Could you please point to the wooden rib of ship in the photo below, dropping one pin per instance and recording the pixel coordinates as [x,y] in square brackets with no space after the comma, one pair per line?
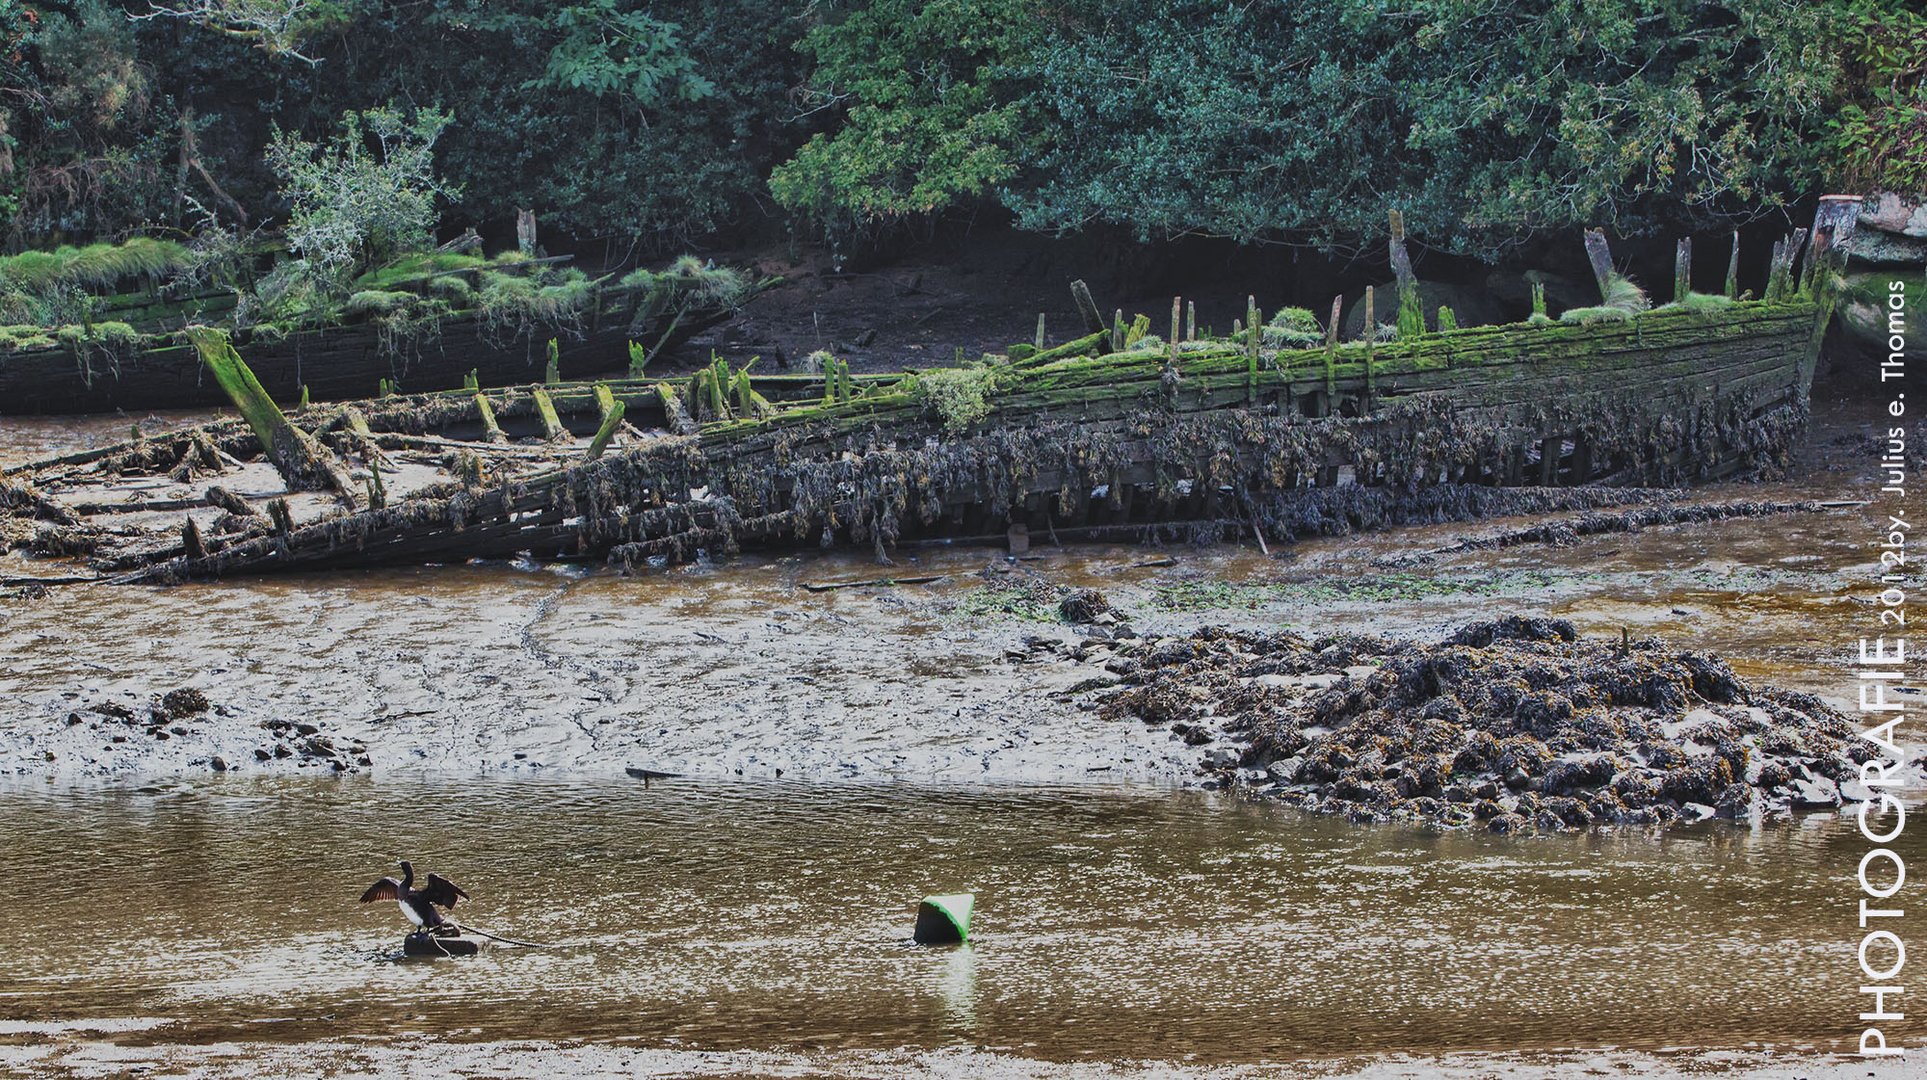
[345,360]
[1100,437]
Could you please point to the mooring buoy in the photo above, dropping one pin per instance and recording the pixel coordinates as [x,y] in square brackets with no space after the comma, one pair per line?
[944,920]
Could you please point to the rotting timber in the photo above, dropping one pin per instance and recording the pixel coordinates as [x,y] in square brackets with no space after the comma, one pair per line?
[158,367]
[1108,436]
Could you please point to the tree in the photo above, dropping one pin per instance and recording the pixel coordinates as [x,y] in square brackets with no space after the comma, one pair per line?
[366,195]
[1880,136]
[926,118]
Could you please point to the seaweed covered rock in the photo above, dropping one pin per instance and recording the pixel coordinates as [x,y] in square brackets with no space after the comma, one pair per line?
[1513,725]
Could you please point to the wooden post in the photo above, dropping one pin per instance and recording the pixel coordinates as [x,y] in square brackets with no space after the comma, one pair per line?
[1332,328]
[1840,216]
[1254,323]
[1191,320]
[1411,307]
[1086,307]
[552,428]
[525,231]
[222,499]
[490,429]
[357,422]
[1040,332]
[305,464]
[553,373]
[679,420]
[1177,323]
[1371,337]
[305,399]
[1683,270]
[1117,331]
[377,491]
[1601,258]
[281,516]
[612,411]
[1816,256]
[1793,254]
[191,544]
[1773,271]
[1733,268]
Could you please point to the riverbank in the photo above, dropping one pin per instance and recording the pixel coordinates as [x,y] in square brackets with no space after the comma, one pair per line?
[942,666]
[76,1055]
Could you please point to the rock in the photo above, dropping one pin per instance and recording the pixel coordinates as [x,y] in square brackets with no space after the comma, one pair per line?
[1736,802]
[186,701]
[1891,212]
[1564,777]
[1221,757]
[1284,770]
[1507,824]
[1479,635]
[1887,249]
[1692,812]
[308,729]
[1816,794]
[1517,779]
[219,763]
[1701,782]
[1083,605]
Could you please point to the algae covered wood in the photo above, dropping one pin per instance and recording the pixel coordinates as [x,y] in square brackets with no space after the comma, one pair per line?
[1076,439]
[304,463]
[339,361]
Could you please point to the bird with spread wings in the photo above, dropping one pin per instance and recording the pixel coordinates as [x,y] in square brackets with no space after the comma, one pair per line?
[419,905]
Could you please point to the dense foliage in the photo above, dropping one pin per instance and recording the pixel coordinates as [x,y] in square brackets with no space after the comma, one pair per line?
[1882,132]
[656,123]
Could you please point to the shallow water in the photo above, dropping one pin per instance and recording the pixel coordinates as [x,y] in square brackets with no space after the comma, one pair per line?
[1112,923]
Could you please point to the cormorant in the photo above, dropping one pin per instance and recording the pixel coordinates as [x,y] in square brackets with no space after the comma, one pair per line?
[418,904]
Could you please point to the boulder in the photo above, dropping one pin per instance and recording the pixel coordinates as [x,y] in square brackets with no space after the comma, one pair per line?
[1818,793]
[1892,212]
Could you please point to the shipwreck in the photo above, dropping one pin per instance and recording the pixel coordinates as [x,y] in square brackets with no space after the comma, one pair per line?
[1276,430]
[429,321]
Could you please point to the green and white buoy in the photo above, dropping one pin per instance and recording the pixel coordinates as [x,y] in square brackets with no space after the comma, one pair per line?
[944,920]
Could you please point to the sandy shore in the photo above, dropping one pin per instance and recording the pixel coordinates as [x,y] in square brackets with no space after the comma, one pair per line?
[78,1053]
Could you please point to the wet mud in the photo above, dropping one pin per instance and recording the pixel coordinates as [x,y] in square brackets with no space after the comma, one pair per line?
[827,665]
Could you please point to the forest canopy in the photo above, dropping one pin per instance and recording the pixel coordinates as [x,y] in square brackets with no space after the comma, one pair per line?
[665,123]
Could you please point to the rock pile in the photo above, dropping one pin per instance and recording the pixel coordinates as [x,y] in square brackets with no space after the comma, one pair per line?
[1514,725]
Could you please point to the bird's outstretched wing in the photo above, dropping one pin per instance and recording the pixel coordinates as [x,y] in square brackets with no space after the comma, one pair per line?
[385,889]
[442,892]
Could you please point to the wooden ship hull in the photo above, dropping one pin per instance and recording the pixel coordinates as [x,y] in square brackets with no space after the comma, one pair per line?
[1078,441]
[344,362]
